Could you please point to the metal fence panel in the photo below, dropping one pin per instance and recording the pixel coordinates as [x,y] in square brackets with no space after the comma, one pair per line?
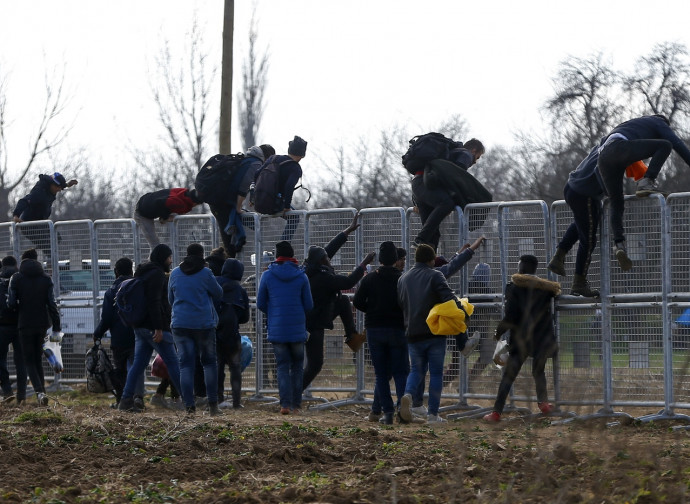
[194,228]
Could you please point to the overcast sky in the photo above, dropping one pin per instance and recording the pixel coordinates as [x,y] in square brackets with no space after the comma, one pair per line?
[337,69]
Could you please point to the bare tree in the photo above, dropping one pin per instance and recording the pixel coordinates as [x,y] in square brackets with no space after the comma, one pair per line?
[46,137]
[250,98]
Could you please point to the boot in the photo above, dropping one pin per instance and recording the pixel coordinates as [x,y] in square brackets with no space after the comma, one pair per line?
[213,409]
[581,287]
[557,263]
[621,252]
[386,419]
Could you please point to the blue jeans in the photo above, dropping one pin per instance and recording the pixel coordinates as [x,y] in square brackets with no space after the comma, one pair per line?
[143,349]
[427,353]
[289,362]
[190,343]
[388,348]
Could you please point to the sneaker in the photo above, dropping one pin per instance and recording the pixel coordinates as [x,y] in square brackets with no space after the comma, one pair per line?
[471,344]
[622,256]
[435,419]
[158,401]
[546,408]
[213,409]
[200,401]
[238,406]
[373,417]
[296,411]
[225,405]
[494,416]
[419,411]
[191,410]
[42,399]
[646,186]
[176,404]
[7,399]
[405,412]
[284,411]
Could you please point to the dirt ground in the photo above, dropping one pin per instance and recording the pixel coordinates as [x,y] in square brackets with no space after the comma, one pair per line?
[80,450]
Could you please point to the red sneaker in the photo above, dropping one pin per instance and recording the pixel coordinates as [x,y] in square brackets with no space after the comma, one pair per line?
[494,416]
[284,411]
[546,408]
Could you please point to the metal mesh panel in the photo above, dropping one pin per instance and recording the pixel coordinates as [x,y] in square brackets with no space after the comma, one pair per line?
[274,229]
[483,375]
[482,220]
[679,216]
[6,239]
[196,228]
[680,341]
[164,233]
[114,239]
[525,231]
[38,235]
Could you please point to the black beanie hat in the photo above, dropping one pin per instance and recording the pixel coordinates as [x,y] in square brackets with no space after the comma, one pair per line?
[284,249]
[388,253]
[424,253]
[195,249]
[316,255]
[297,147]
[160,253]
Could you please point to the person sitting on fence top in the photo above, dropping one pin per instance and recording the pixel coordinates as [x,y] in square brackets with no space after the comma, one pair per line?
[37,205]
[31,292]
[121,335]
[275,183]
[163,205]
[329,302]
[529,318]
[9,335]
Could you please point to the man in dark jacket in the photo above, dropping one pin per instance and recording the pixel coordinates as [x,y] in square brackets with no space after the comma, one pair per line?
[9,335]
[153,332]
[121,335]
[233,312]
[163,205]
[377,297]
[329,302]
[529,318]
[31,292]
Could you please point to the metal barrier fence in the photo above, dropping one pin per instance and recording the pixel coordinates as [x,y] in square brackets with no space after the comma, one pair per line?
[628,348]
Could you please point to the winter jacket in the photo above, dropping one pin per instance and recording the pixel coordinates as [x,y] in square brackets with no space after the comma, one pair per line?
[233,309]
[462,187]
[192,292]
[37,205]
[122,336]
[289,175]
[585,179]
[156,291]
[160,204]
[419,289]
[528,314]
[377,297]
[10,316]
[652,127]
[326,284]
[31,291]
[285,297]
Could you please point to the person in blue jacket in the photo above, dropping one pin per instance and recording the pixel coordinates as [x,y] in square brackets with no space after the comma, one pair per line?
[285,297]
[192,293]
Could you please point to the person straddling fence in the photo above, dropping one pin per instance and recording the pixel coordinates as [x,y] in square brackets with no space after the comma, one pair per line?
[153,332]
[163,205]
[529,318]
[121,335]
[329,302]
[234,310]
[9,335]
[31,292]
[193,292]
[284,296]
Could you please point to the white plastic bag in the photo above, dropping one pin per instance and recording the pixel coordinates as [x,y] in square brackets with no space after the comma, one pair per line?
[501,352]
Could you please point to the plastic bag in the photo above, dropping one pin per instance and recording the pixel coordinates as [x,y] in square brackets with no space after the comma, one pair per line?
[501,352]
[247,352]
[51,350]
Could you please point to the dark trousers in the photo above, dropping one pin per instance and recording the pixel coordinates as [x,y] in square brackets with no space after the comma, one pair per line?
[615,158]
[32,345]
[388,348]
[586,212]
[222,216]
[229,354]
[434,205]
[122,359]
[163,388]
[9,335]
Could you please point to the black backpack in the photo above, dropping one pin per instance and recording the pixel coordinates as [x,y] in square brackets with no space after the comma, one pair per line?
[425,148]
[214,180]
[100,373]
[267,191]
[130,301]
[7,315]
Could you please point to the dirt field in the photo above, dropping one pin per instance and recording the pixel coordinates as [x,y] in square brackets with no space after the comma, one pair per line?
[79,450]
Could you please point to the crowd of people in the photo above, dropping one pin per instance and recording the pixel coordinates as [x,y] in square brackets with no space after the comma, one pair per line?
[195,310]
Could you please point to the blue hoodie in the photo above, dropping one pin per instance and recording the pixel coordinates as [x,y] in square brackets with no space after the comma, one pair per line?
[284,295]
[192,292]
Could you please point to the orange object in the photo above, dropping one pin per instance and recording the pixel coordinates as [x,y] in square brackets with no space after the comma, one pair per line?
[636,170]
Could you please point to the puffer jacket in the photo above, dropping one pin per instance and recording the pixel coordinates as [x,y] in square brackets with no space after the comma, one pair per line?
[192,292]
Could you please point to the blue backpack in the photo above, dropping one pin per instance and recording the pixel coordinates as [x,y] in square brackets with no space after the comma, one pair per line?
[130,301]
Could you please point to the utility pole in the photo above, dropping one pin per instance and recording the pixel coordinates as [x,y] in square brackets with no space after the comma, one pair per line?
[225,129]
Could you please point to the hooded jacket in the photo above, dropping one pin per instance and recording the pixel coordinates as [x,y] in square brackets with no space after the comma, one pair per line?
[285,297]
[377,297]
[192,292]
[234,307]
[528,315]
[326,285]
[160,204]
[156,289]
[9,318]
[122,336]
[31,291]
[37,205]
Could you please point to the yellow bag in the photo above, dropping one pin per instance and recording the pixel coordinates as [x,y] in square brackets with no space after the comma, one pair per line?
[446,319]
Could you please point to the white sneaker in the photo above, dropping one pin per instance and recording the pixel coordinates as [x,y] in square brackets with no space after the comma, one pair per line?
[435,419]
[419,411]
[225,405]
[471,344]
[42,399]
[405,413]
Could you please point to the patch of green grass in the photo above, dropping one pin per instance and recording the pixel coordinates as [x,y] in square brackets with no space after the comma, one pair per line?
[39,417]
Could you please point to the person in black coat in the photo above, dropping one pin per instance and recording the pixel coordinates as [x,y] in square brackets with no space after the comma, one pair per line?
[121,335]
[529,318]
[329,302]
[31,292]
[9,335]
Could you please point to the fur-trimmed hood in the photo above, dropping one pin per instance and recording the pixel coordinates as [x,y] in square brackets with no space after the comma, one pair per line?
[534,282]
